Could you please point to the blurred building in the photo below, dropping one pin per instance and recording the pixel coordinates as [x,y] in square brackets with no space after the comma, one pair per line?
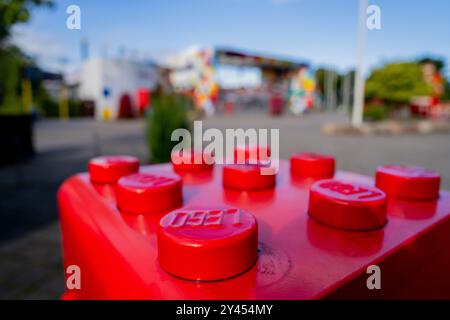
[220,77]
[118,88]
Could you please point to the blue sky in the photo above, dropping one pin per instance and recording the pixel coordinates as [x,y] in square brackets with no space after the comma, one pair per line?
[321,31]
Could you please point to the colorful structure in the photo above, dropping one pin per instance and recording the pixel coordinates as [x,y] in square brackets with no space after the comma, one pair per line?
[197,70]
[301,90]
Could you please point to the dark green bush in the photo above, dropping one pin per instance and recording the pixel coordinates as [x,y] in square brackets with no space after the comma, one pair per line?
[376,112]
[167,113]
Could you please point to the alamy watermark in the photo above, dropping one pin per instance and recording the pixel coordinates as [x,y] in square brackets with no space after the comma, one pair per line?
[374,280]
[373,21]
[73,21]
[73,281]
[222,148]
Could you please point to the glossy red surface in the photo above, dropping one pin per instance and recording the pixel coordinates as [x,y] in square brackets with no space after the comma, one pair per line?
[298,257]
[245,153]
[150,192]
[312,165]
[108,169]
[347,205]
[211,243]
[192,161]
[246,177]
[413,183]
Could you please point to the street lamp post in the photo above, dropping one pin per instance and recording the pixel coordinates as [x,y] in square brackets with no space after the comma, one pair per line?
[358,94]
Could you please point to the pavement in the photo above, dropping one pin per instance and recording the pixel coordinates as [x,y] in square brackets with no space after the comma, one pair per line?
[30,250]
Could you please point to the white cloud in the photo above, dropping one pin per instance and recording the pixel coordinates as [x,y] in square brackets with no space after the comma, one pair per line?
[46,48]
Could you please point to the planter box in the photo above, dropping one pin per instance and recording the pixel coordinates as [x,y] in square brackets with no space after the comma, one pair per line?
[16,138]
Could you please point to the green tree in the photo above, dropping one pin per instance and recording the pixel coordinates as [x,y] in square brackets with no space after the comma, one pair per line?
[12,60]
[16,11]
[397,83]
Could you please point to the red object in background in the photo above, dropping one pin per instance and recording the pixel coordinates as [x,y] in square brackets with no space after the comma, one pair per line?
[424,106]
[276,104]
[229,107]
[125,107]
[312,165]
[143,99]
[298,257]
[408,182]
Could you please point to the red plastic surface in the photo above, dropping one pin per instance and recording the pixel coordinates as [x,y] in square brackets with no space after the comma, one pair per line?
[246,177]
[312,165]
[207,244]
[150,192]
[349,206]
[245,154]
[109,169]
[298,257]
[413,183]
[192,161]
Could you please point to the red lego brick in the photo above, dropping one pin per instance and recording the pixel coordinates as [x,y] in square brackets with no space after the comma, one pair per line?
[312,165]
[109,169]
[348,206]
[162,255]
[207,244]
[246,177]
[413,183]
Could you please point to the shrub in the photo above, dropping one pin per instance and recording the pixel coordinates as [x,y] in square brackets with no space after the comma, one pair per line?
[375,112]
[397,83]
[167,113]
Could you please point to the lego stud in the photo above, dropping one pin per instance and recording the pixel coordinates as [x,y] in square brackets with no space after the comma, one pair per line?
[109,169]
[414,183]
[312,165]
[191,161]
[348,206]
[148,193]
[207,244]
[247,153]
[246,177]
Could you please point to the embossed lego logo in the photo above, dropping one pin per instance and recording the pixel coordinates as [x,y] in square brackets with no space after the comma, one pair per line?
[206,218]
[350,190]
[149,179]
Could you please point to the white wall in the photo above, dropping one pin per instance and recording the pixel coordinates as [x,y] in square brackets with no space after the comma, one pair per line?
[120,77]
